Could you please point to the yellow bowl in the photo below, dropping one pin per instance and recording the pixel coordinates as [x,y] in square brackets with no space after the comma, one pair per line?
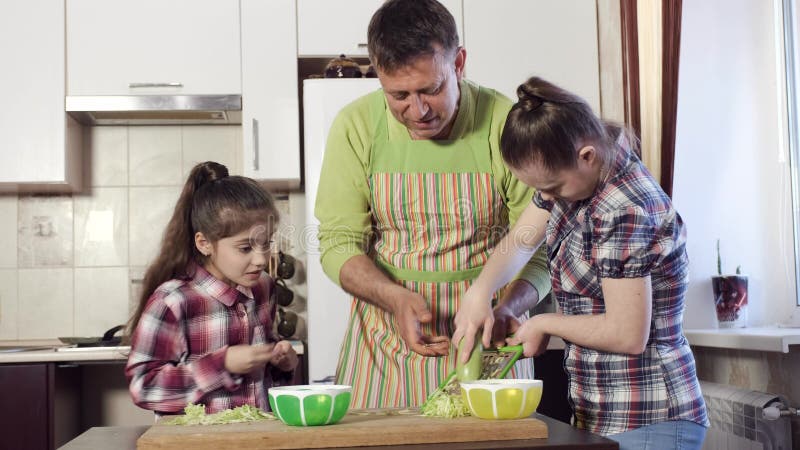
[502,399]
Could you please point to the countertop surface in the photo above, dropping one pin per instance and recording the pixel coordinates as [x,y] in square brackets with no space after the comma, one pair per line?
[560,436]
[52,350]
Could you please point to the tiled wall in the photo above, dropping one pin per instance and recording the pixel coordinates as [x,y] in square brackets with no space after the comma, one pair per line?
[770,372]
[69,264]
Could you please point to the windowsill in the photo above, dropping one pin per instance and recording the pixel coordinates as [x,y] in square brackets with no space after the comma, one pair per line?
[768,339]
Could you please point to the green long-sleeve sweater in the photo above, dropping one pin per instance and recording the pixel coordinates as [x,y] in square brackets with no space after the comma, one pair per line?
[343,197]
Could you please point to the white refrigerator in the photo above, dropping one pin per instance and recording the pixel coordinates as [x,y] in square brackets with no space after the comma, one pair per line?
[328,306]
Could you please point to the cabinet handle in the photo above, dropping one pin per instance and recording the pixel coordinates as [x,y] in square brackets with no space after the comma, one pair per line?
[362,45]
[154,85]
[255,144]
[326,380]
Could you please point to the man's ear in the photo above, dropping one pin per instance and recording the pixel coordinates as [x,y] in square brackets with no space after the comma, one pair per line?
[460,62]
[203,245]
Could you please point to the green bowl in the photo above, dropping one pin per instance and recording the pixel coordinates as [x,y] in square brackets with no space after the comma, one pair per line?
[310,404]
[502,399]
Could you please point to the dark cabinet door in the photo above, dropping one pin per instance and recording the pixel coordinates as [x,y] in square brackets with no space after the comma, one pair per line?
[26,412]
[549,367]
[300,372]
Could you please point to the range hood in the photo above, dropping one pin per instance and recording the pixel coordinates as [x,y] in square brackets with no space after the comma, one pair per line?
[155,109]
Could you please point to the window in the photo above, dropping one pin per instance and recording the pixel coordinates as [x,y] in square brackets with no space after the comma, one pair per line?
[791,28]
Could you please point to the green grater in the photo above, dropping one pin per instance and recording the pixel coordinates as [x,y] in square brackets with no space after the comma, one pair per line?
[495,363]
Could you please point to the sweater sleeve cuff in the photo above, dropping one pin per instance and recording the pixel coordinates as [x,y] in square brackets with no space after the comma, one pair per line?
[333,261]
[537,273]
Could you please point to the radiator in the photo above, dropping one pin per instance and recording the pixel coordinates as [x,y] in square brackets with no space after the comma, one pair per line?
[737,421]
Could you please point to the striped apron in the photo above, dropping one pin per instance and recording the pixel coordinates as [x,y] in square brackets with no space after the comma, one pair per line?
[437,214]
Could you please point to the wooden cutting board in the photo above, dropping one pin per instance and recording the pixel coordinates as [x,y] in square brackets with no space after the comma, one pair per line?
[373,429]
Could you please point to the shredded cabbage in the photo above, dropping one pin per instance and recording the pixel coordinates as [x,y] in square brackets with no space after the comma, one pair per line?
[445,402]
[196,415]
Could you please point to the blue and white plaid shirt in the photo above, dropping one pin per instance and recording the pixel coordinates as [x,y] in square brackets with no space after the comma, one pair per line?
[628,229]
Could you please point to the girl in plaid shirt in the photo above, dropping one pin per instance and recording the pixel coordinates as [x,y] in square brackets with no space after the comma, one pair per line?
[203,328]
[617,256]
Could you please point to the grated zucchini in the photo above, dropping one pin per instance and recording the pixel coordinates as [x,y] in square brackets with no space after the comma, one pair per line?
[196,415]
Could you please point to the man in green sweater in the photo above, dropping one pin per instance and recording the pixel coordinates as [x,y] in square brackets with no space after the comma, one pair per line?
[413,197]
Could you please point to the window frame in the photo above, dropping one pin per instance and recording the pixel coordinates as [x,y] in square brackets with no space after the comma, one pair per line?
[791,55]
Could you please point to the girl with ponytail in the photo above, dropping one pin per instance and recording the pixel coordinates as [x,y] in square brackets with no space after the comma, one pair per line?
[202,332]
[616,251]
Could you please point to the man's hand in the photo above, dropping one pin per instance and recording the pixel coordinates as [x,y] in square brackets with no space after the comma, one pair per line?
[410,311]
[519,296]
[242,359]
[505,324]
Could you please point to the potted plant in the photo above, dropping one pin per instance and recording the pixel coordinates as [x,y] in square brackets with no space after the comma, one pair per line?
[730,296]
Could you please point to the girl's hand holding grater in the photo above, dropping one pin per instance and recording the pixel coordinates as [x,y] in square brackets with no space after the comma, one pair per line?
[532,336]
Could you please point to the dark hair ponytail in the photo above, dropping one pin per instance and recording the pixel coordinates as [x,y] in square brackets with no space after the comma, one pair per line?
[213,203]
[547,125]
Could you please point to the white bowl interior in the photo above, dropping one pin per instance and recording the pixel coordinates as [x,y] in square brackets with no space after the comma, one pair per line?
[495,385]
[304,390]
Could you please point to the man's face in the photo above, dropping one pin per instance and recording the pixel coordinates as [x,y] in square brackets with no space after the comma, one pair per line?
[424,95]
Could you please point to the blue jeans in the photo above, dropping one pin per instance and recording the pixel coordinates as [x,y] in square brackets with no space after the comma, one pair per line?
[672,435]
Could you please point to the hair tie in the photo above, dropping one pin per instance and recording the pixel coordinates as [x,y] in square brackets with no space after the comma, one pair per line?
[535,102]
[532,102]
[208,172]
[529,98]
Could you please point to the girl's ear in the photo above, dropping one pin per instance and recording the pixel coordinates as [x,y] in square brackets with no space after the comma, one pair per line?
[588,154]
[203,245]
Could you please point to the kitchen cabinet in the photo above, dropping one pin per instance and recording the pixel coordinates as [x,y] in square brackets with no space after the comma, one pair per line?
[39,143]
[509,41]
[125,47]
[33,395]
[549,367]
[326,28]
[26,415]
[270,111]
[49,397]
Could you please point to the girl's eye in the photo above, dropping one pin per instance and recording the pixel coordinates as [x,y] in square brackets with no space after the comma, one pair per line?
[245,249]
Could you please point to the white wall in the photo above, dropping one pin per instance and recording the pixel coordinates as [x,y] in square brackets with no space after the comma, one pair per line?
[730,168]
[71,265]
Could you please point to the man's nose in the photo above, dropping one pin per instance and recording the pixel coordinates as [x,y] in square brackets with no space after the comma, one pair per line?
[419,107]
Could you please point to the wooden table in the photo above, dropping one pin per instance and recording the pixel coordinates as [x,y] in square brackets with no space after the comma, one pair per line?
[561,436]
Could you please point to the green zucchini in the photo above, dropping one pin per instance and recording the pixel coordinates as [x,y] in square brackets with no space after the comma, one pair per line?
[471,370]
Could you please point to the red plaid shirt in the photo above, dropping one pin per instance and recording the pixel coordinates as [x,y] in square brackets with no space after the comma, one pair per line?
[628,229]
[178,348]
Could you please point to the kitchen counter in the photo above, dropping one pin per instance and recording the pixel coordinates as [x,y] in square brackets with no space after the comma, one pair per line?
[561,436]
[52,350]
[52,392]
